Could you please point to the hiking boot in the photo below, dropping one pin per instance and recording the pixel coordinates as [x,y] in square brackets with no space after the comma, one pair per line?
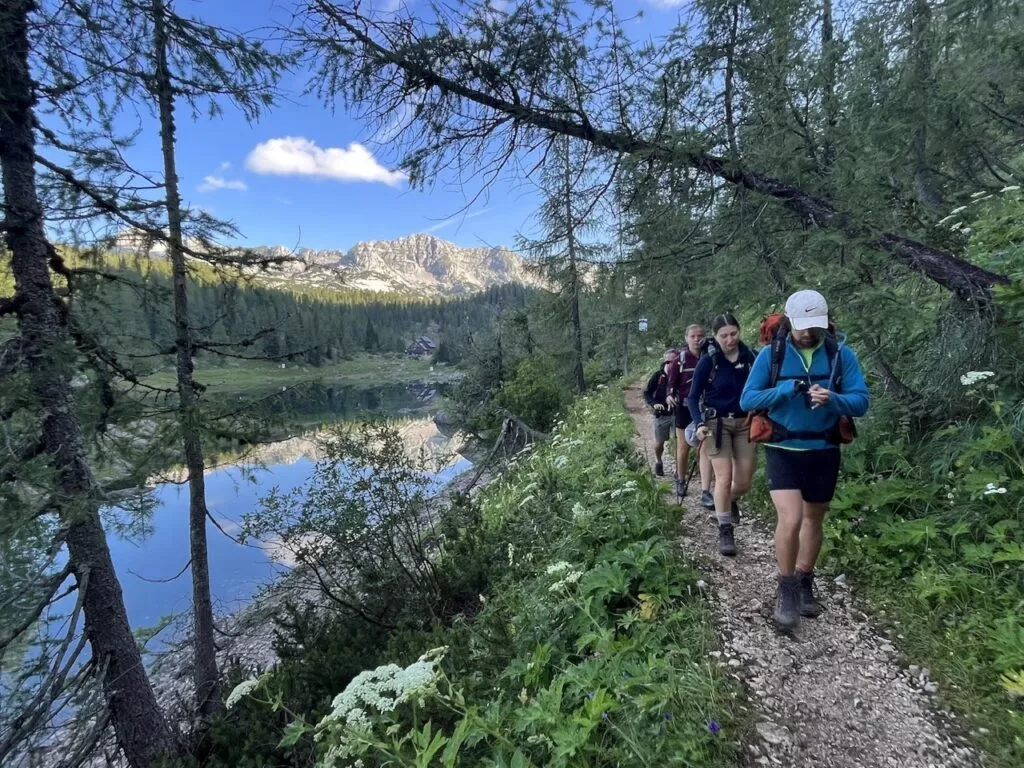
[809,605]
[735,513]
[787,602]
[659,469]
[707,500]
[726,542]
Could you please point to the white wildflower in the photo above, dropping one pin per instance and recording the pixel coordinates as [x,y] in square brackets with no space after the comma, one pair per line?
[976,195]
[560,461]
[242,690]
[986,197]
[992,488]
[1011,188]
[558,567]
[579,513]
[570,578]
[946,218]
[701,584]
[379,691]
[627,487]
[957,210]
[971,378]
[511,554]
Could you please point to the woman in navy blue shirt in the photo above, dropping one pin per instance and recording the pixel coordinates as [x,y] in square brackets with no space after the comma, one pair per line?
[714,403]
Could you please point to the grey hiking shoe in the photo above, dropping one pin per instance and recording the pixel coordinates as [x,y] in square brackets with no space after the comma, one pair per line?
[726,542]
[809,605]
[659,469]
[787,602]
[707,500]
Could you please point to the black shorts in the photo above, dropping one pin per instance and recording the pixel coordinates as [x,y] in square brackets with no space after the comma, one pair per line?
[813,473]
[683,417]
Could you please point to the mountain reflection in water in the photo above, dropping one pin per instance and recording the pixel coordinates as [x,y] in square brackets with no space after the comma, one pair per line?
[235,485]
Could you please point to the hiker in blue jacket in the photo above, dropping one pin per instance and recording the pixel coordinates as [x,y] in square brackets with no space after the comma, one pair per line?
[810,386]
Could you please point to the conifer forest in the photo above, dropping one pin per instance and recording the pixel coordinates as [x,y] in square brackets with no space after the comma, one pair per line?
[380,497]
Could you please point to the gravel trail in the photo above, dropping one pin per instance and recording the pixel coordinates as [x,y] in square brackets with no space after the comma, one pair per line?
[833,694]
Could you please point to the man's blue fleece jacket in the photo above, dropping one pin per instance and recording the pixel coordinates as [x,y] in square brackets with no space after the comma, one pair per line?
[792,410]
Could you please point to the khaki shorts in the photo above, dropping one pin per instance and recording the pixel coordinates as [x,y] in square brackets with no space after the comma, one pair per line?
[735,440]
[663,427]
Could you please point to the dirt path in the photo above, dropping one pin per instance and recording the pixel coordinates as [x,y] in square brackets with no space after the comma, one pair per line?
[832,695]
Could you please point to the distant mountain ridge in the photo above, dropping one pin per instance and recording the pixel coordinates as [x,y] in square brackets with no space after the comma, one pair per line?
[420,265]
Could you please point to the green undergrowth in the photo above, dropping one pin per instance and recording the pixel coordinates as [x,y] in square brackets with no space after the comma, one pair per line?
[587,645]
[932,532]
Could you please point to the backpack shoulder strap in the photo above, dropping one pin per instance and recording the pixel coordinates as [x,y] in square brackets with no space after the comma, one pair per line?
[835,361]
[778,352]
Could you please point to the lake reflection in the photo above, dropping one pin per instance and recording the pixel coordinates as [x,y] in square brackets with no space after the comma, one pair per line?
[237,571]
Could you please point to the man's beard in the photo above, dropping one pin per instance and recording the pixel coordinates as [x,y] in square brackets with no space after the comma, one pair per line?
[809,341]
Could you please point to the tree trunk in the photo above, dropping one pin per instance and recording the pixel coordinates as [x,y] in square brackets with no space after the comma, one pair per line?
[205,677]
[829,55]
[919,96]
[574,280]
[141,729]
[730,77]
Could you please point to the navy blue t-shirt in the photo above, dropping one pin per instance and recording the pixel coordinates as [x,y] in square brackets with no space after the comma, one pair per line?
[724,392]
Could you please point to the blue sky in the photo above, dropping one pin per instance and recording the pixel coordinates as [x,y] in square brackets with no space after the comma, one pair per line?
[304,176]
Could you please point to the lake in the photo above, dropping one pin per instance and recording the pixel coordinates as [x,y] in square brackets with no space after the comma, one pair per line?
[147,564]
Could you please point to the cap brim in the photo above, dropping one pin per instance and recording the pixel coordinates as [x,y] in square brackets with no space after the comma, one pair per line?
[814,321]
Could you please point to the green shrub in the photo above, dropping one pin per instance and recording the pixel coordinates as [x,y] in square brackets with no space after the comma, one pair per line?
[590,646]
[536,392]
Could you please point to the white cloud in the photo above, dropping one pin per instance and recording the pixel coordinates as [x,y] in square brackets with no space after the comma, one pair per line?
[225,166]
[211,183]
[299,156]
[668,3]
[459,217]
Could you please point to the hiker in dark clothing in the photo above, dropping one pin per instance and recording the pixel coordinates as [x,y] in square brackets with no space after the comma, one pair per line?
[680,380]
[809,386]
[714,403]
[657,397]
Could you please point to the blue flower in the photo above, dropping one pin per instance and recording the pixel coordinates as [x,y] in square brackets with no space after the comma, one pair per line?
[590,695]
[714,727]
[604,715]
[668,715]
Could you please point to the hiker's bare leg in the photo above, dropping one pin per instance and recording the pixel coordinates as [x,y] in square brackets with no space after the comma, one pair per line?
[705,467]
[659,450]
[723,483]
[789,506]
[682,454]
[810,535]
[742,475]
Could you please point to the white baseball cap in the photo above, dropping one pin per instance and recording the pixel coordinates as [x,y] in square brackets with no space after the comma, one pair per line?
[807,309]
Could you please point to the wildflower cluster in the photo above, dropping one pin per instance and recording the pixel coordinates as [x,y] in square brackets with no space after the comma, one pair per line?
[376,692]
[971,378]
[569,576]
[243,689]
